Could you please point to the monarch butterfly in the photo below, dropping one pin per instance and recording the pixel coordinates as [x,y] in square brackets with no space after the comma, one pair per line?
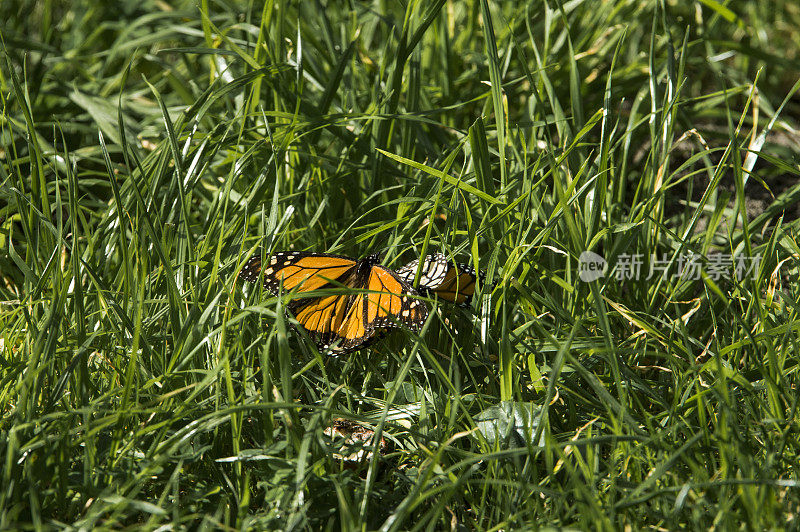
[441,278]
[340,323]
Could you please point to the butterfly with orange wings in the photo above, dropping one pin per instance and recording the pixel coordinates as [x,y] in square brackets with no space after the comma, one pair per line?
[344,322]
[441,278]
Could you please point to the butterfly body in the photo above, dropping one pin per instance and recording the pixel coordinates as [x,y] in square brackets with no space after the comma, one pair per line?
[341,322]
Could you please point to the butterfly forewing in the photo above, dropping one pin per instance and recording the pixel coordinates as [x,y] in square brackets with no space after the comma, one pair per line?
[297,270]
[251,269]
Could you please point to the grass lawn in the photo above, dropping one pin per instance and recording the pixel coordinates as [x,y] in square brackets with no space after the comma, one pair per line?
[626,173]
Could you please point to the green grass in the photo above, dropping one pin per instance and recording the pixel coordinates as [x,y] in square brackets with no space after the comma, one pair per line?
[147,150]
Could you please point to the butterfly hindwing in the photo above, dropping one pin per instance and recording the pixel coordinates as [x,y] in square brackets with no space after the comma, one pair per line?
[340,322]
[392,302]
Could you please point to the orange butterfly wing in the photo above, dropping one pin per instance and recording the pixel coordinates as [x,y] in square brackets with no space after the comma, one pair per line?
[392,302]
[308,271]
